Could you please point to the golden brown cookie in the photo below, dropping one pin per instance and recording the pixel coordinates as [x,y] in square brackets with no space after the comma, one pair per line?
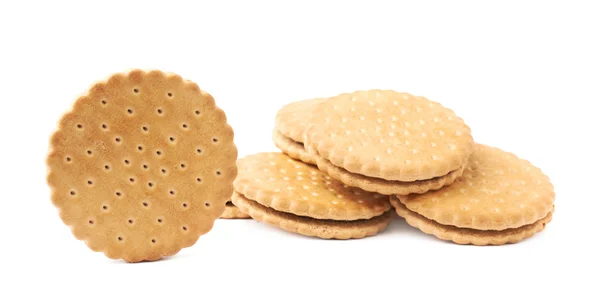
[499,199]
[392,136]
[275,181]
[322,228]
[142,165]
[290,124]
[233,212]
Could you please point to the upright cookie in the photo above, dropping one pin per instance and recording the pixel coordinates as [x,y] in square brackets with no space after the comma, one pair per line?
[290,124]
[388,142]
[499,199]
[142,165]
[297,197]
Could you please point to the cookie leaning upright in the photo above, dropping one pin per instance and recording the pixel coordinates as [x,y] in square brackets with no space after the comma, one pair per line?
[290,124]
[299,198]
[499,199]
[142,165]
[388,142]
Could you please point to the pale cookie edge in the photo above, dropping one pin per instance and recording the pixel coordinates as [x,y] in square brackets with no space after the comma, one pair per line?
[465,236]
[311,227]
[293,149]
[384,186]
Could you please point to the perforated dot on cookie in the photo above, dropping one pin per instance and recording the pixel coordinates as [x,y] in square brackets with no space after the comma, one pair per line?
[91,222]
[198,180]
[163,171]
[145,204]
[120,238]
[145,129]
[106,167]
[184,228]
[184,126]
[131,180]
[73,192]
[172,139]
[79,126]
[158,153]
[104,208]
[198,151]
[153,241]
[140,148]
[89,152]
[197,112]
[145,166]
[118,193]
[218,172]
[104,126]
[182,165]
[172,192]
[170,94]
[215,140]
[159,220]
[104,102]
[184,205]
[130,221]
[68,159]
[130,111]
[90,182]
[150,184]
[118,140]
[136,90]
[207,204]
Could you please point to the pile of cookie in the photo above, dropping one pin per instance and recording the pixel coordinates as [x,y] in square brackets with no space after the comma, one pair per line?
[349,158]
[144,162]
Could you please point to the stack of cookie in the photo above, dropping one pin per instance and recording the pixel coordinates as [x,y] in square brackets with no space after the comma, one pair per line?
[416,152]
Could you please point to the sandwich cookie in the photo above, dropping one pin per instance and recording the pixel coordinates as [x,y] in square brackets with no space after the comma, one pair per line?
[388,142]
[499,199]
[142,165]
[290,124]
[299,198]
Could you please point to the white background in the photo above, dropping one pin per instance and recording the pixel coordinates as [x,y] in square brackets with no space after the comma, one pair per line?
[524,75]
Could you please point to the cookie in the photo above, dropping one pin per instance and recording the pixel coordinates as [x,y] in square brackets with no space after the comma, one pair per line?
[142,165]
[279,183]
[326,229]
[290,124]
[500,199]
[233,212]
[391,136]
[292,148]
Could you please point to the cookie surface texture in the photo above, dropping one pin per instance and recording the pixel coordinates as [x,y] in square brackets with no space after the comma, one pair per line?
[142,165]
[276,181]
[389,135]
[326,229]
[498,192]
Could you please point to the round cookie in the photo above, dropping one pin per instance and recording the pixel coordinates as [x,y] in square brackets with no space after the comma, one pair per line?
[383,134]
[233,212]
[326,229]
[499,199]
[290,124]
[142,165]
[276,181]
